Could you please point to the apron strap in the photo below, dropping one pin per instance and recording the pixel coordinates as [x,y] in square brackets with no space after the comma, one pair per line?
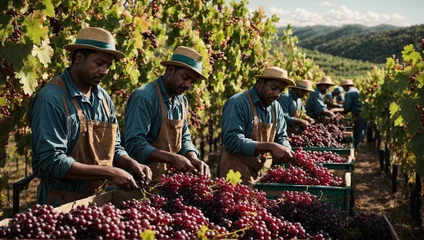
[255,113]
[58,81]
[161,103]
[106,106]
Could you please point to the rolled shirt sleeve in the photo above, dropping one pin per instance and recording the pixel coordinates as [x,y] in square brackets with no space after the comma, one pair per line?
[315,104]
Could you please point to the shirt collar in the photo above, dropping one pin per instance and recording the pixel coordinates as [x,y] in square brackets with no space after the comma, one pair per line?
[292,93]
[178,98]
[72,88]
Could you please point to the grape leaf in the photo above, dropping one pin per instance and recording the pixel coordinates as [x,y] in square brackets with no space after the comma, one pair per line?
[34,27]
[394,108]
[399,121]
[400,82]
[420,80]
[201,233]
[6,27]
[420,99]
[409,54]
[16,53]
[233,177]
[407,109]
[416,144]
[413,126]
[4,6]
[390,63]
[49,10]
[148,235]
[43,53]
[2,101]
[27,75]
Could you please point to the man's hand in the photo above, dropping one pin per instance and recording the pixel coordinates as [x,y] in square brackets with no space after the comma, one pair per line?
[202,167]
[310,120]
[123,179]
[181,163]
[281,153]
[303,123]
[141,170]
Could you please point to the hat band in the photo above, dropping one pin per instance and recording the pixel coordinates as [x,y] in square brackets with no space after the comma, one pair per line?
[189,61]
[300,86]
[95,43]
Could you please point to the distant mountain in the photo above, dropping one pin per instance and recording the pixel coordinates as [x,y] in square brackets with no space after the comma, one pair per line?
[360,42]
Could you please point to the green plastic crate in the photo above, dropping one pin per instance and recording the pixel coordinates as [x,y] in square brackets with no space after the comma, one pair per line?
[340,151]
[338,196]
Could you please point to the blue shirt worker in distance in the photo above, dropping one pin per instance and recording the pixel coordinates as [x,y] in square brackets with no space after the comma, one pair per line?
[75,135]
[353,104]
[253,126]
[335,98]
[156,129]
[315,106]
[292,105]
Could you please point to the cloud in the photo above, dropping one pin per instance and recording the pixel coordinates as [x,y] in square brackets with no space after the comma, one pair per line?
[327,4]
[337,16]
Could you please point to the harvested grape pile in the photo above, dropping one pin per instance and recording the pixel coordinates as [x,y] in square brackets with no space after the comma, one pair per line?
[319,135]
[187,206]
[302,170]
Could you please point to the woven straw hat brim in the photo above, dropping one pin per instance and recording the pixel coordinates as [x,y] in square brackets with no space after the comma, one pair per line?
[306,89]
[73,47]
[347,84]
[180,64]
[289,82]
[332,84]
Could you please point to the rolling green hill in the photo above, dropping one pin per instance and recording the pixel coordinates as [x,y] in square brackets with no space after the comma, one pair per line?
[359,42]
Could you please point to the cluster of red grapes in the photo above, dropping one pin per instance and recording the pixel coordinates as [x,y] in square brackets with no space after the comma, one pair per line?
[16,35]
[321,156]
[152,37]
[155,8]
[367,226]
[301,170]
[316,217]
[194,119]
[6,70]
[55,25]
[413,83]
[207,38]
[319,135]
[337,120]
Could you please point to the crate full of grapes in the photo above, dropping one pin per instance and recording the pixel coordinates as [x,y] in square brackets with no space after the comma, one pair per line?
[329,159]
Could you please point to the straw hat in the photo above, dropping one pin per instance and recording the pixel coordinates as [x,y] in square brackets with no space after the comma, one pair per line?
[326,80]
[304,85]
[186,57]
[97,39]
[347,82]
[278,74]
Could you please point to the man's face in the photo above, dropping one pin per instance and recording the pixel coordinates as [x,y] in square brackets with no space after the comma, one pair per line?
[301,93]
[323,88]
[93,68]
[181,79]
[346,88]
[270,90]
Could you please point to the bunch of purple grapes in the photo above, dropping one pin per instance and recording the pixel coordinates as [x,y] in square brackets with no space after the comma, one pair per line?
[320,156]
[367,226]
[318,135]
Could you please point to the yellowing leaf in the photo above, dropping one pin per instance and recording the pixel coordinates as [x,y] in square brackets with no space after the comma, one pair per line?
[393,108]
[6,27]
[141,23]
[28,75]
[148,235]
[201,234]
[34,27]
[233,177]
[44,52]
[49,10]
[399,121]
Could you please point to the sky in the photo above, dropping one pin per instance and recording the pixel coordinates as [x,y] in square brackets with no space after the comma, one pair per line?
[341,12]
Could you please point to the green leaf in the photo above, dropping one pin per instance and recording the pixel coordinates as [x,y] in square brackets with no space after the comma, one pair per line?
[399,121]
[6,27]
[420,99]
[16,53]
[390,63]
[413,126]
[409,54]
[394,108]
[28,76]
[233,177]
[43,53]
[407,109]
[4,6]
[2,101]
[49,10]
[148,234]
[400,82]
[34,27]
[420,80]
[416,144]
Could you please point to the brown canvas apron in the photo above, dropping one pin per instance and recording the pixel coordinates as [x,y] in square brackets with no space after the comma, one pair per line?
[250,167]
[169,139]
[95,146]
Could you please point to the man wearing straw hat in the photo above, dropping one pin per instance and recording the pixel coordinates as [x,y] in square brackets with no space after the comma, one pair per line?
[75,136]
[254,129]
[315,106]
[353,104]
[334,98]
[156,131]
[291,103]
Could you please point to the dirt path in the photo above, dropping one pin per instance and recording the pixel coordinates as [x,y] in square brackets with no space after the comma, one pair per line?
[373,192]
